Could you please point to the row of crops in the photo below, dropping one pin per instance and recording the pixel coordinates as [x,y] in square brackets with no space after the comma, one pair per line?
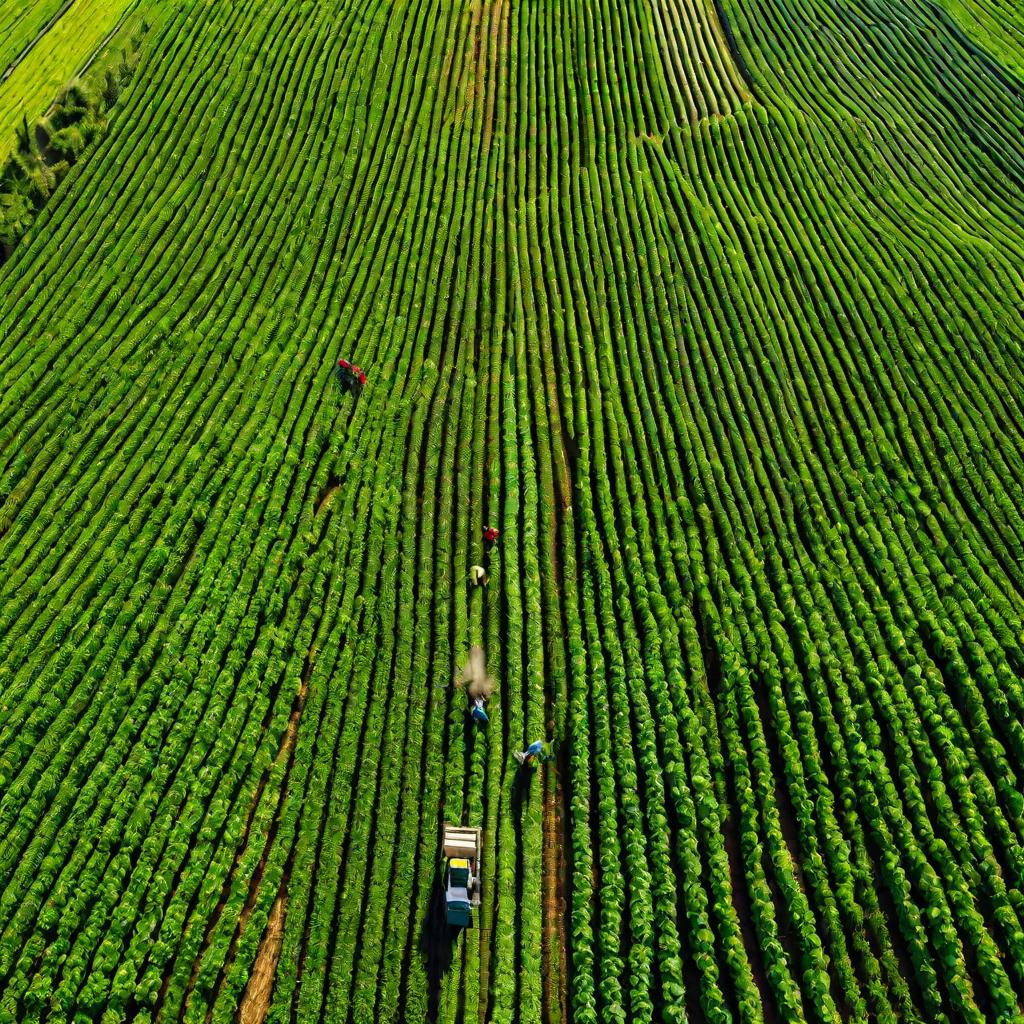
[716,311]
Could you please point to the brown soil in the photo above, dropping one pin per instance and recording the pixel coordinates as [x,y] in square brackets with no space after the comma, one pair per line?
[499,53]
[270,947]
[731,836]
[555,908]
[284,753]
[326,496]
[481,63]
[276,919]
[741,901]
[256,998]
[557,837]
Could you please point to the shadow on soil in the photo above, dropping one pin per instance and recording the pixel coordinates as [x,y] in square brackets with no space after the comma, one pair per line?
[438,940]
[437,943]
[522,791]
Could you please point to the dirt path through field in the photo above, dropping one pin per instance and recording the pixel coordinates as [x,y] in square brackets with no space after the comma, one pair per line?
[256,998]
[557,837]
[556,909]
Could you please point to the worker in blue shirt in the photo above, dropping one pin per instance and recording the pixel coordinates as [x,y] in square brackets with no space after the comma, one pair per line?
[534,751]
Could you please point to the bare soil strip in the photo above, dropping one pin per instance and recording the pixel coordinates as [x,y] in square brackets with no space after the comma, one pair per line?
[326,496]
[556,840]
[256,998]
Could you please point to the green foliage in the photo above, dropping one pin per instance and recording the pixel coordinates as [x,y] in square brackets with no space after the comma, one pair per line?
[45,152]
[714,309]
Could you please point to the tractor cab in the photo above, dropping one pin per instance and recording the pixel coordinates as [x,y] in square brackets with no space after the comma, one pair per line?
[461,848]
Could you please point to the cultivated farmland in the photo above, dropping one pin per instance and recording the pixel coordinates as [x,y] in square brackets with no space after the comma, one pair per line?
[715,311]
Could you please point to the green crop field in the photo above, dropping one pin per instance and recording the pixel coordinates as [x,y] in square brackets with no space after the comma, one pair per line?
[715,308]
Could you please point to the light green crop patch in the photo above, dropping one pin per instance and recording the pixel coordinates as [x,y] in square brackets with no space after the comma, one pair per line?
[21,24]
[64,42]
[996,25]
[700,71]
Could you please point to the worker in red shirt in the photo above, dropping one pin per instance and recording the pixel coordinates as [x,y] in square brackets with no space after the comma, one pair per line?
[491,536]
[353,379]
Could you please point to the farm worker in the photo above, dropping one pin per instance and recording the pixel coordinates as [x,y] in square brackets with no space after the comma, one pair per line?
[478,576]
[478,712]
[491,536]
[352,378]
[534,750]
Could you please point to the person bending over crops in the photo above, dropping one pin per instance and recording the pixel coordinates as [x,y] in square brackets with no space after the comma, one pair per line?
[536,751]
